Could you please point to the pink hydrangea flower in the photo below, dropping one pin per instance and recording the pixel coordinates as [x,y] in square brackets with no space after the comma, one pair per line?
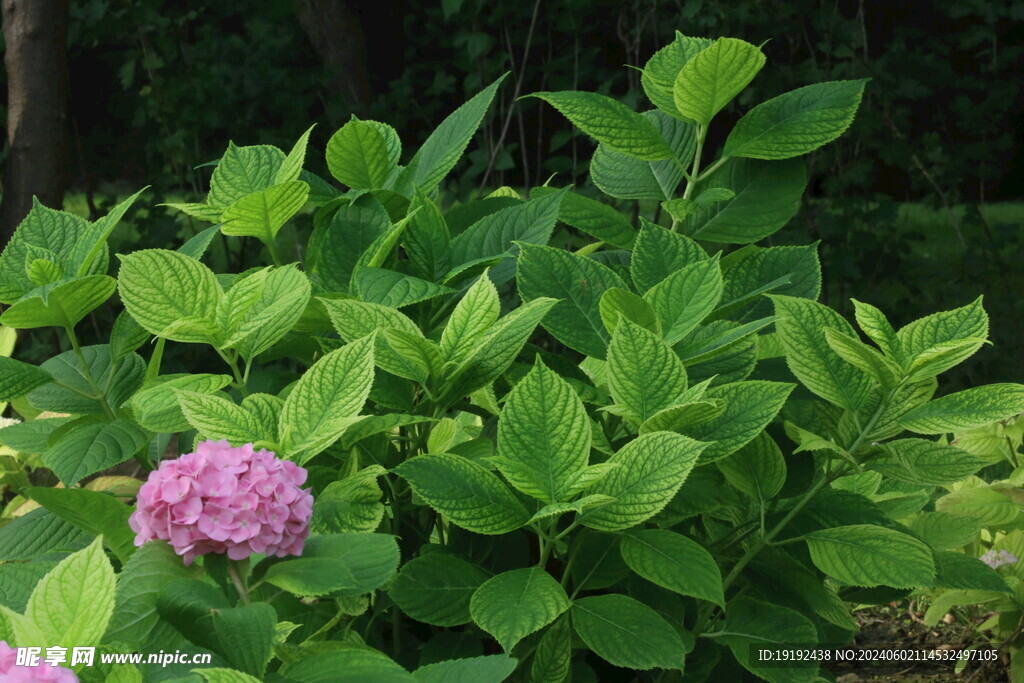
[996,560]
[42,672]
[226,500]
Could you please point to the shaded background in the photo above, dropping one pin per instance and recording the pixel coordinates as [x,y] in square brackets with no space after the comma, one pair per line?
[918,207]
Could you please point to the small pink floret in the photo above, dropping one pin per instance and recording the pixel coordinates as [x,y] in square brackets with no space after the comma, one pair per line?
[42,672]
[225,500]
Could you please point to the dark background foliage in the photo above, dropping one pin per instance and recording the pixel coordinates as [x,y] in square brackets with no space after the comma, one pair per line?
[915,206]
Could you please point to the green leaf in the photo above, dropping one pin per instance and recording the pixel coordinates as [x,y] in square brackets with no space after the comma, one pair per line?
[291,167]
[92,244]
[221,675]
[276,308]
[580,283]
[796,122]
[599,220]
[543,436]
[18,379]
[627,633]
[379,250]
[650,470]
[244,635]
[358,155]
[644,374]
[443,149]
[201,212]
[91,446]
[39,532]
[217,417]
[471,318]
[959,571]
[468,670]
[262,214]
[436,589]
[496,349]
[346,564]
[968,322]
[465,493]
[18,579]
[659,253]
[875,325]
[32,436]
[775,572]
[684,298]
[553,656]
[356,319]
[714,76]
[752,622]
[156,406]
[135,620]
[986,505]
[617,303]
[126,336]
[935,343]
[426,240]
[801,328]
[349,665]
[243,171]
[625,177]
[866,555]
[43,228]
[335,247]
[680,417]
[121,379]
[757,470]
[59,304]
[171,295]
[659,74]
[945,531]
[91,511]
[351,504]
[766,195]
[514,604]
[752,271]
[865,358]
[749,407]
[923,462]
[395,290]
[72,605]
[419,359]
[494,235]
[325,399]
[673,561]
[611,123]
[975,407]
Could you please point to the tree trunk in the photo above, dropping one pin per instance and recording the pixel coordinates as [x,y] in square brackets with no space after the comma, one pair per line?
[337,36]
[35,32]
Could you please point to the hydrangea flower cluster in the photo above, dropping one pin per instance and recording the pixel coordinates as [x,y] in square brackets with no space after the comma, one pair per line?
[996,560]
[42,672]
[222,499]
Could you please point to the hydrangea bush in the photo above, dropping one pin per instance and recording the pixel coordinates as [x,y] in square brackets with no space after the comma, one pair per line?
[647,448]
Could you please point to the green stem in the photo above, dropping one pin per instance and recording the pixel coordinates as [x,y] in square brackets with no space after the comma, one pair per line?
[233,364]
[694,177]
[712,168]
[156,359]
[87,373]
[274,255]
[236,579]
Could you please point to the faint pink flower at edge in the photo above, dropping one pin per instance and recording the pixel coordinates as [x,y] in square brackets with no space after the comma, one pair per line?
[226,500]
[42,672]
